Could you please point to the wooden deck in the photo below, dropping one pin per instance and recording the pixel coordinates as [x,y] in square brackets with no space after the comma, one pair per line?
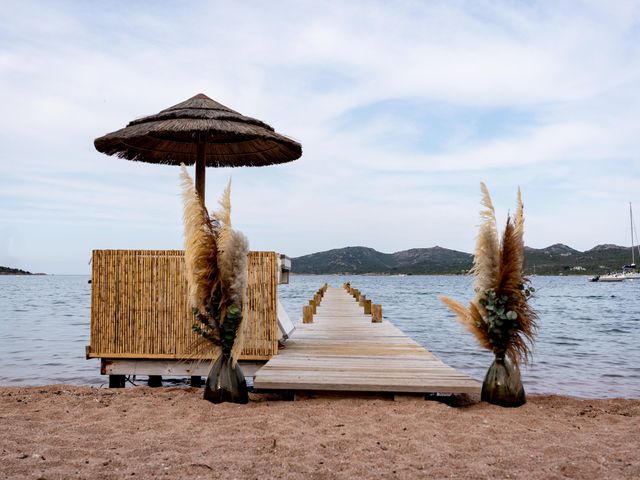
[343,351]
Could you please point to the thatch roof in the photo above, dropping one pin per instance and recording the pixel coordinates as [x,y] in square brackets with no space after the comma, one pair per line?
[171,137]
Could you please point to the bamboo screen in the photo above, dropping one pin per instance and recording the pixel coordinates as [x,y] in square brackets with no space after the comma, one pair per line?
[139,306]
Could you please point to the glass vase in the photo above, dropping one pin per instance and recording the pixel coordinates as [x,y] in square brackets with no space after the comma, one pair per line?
[226,382]
[503,385]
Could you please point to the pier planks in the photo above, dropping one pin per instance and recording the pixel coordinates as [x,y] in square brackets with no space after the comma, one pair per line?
[342,350]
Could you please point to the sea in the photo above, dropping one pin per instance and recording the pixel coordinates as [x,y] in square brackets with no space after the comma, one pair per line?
[588,342]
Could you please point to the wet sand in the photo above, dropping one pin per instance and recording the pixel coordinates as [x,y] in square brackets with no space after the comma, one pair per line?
[62,431]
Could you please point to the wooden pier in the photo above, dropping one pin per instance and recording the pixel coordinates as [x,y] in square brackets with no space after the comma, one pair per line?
[343,350]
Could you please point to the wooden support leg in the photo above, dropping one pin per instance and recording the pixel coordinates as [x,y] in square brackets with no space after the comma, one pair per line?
[196,381]
[155,381]
[408,397]
[116,381]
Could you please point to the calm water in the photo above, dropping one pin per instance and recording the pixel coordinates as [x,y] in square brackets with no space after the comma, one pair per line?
[588,344]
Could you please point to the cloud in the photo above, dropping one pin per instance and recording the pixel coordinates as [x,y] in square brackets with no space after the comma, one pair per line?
[401,109]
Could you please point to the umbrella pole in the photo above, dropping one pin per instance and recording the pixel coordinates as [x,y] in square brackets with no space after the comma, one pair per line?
[200,170]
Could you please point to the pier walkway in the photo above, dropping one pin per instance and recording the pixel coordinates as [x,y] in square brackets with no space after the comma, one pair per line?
[342,350]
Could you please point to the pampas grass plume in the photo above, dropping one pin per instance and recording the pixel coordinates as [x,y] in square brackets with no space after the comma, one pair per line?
[487,253]
[199,244]
[223,216]
[232,262]
[499,268]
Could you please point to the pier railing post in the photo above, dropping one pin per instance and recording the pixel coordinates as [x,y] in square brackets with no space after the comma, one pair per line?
[367,307]
[312,304]
[307,314]
[361,300]
[376,313]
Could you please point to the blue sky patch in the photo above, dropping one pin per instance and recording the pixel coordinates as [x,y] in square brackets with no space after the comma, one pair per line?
[432,127]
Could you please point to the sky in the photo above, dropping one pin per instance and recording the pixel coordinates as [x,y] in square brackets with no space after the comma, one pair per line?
[402,109]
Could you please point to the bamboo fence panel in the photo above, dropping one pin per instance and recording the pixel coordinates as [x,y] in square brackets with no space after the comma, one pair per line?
[140,309]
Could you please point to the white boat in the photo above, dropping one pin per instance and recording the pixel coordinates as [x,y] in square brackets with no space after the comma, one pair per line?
[630,271]
[632,275]
[612,277]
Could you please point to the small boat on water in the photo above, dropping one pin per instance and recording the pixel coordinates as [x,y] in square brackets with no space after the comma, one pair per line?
[612,277]
[629,272]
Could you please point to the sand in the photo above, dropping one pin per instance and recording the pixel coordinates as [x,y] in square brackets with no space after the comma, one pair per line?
[61,431]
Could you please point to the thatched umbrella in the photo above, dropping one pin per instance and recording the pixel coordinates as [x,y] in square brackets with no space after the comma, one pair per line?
[200,131]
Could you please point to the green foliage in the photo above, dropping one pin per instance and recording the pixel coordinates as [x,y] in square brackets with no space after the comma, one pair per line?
[501,320]
[220,333]
[229,328]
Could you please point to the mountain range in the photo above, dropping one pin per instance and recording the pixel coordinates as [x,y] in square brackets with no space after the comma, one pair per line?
[557,259]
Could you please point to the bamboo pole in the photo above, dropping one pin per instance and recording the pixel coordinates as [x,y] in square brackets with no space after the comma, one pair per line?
[140,307]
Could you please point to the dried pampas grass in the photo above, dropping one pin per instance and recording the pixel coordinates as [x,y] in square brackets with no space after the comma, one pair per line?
[200,247]
[223,216]
[233,274]
[216,264]
[499,315]
[487,253]
[232,262]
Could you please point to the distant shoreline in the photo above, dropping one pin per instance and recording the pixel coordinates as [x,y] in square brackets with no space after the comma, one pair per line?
[348,274]
[23,274]
[16,271]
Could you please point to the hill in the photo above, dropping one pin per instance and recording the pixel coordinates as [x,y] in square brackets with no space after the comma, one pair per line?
[13,271]
[557,259]
[348,259]
[361,260]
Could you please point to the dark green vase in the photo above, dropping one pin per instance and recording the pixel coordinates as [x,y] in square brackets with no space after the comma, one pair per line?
[502,385]
[226,382]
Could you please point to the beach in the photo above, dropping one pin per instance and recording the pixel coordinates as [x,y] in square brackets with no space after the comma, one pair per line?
[63,431]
